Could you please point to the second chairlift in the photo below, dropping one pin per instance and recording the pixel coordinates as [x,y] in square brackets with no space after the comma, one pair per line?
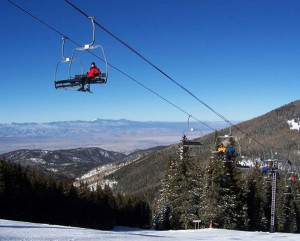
[186,142]
[228,149]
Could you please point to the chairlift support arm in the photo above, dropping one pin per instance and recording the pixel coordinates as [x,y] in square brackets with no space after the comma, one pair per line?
[93,34]
[63,49]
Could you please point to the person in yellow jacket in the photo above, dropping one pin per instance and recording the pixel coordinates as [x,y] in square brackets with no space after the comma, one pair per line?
[221,150]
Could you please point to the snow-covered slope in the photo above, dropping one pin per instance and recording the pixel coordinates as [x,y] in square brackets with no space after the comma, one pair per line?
[294,125]
[16,231]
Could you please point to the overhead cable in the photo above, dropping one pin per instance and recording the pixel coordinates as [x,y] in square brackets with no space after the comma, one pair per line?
[164,73]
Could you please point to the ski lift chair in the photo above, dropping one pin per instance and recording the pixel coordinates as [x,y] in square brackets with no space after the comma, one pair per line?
[77,80]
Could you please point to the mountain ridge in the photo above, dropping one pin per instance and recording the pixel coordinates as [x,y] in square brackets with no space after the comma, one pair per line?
[115,135]
[262,137]
[268,136]
[69,163]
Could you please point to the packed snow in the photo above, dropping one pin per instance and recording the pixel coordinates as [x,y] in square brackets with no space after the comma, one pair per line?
[17,231]
[294,125]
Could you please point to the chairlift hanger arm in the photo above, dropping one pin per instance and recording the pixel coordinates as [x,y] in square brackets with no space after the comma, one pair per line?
[63,48]
[93,26]
[66,60]
[91,46]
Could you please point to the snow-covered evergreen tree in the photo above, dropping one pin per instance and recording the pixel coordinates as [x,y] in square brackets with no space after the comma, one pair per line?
[225,203]
[179,201]
[161,216]
[255,201]
[286,208]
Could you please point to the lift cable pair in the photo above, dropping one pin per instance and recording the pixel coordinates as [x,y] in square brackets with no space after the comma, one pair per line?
[109,64]
[166,75]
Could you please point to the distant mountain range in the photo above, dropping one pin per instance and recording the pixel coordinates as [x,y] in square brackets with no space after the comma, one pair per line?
[273,134]
[115,135]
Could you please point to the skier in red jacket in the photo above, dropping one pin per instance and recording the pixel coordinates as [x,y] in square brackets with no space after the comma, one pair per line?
[93,72]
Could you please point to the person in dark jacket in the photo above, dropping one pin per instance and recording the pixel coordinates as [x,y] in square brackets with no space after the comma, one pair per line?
[92,73]
[230,150]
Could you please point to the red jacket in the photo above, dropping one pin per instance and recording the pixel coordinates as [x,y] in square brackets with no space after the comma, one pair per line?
[94,71]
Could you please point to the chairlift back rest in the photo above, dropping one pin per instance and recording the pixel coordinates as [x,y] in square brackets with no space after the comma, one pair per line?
[102,75]
[99,79]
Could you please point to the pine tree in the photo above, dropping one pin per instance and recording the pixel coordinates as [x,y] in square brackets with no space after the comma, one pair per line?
[210,208]
[225,203]
[255,201]
[2,181]
[162,212]
[180,200]
[286,209]
[187,200]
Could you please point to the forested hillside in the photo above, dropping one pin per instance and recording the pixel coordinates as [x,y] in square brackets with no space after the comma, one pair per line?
[221,194]
[69,163]
[224,195]
[261,137]
[273,132]
[29,195]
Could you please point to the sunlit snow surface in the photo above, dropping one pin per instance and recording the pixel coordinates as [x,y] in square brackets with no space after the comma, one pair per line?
[22,231]
[294,125]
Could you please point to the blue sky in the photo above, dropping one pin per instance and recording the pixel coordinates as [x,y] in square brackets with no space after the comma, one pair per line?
[241,57]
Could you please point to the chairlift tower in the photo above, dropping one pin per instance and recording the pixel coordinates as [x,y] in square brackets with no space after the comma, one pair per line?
[274,165]
[274,170]
[273,202]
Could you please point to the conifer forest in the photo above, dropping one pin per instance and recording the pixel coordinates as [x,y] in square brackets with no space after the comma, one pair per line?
[27,194]
[224,195]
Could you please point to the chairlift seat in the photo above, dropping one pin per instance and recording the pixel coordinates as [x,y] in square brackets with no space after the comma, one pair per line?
[191,143]
[76,81]
[241,166]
